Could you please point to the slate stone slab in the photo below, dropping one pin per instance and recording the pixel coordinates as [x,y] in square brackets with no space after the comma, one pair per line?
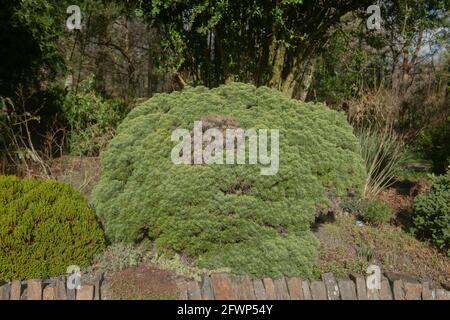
[413,291]
[222,287]
[16,290]
[194,292]
[260,291]
[373,294]
[347,289]
[397,289]
[360,283]
[24,295]
[5,291]
[442,294]
[97,286]
[385,291]
[306,290]
[86,292]
[182,290]
[427,292]
[34,291]
[71,294]
[331,286]
[243,288]
[60,288]
[281,290]
[105,291]
[270,289]
[318,290]
[295,288]
[206,288]
[48,293]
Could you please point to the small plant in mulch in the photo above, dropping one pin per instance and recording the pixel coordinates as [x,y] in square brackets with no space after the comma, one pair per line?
[376,212]
[348,248]
[120,256]
[142,283]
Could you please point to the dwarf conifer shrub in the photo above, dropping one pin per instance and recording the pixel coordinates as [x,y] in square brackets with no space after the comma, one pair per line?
[227,216]
[45,227]
[431,217]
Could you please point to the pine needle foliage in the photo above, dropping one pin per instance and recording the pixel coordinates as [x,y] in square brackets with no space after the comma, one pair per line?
[199,211]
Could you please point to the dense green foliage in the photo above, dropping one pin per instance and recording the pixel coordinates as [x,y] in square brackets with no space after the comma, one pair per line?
[29,31]
[431,218]
[92,118]
[260,42]
[45,227]
[434,144]
[227,216]
[339,75]
[376,212]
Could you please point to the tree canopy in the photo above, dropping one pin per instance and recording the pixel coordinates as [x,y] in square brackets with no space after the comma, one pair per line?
[262,42]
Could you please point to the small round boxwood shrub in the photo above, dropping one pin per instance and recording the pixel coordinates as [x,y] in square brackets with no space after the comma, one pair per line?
[227,216]
[431,217]
[45,226]
[376,212]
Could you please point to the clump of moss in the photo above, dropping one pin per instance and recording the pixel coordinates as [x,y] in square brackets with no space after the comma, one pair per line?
[227,216]
[45,226]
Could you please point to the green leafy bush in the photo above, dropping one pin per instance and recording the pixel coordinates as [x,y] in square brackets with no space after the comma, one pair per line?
[339,74]
[227,216]
[434,144]
[45,227]
[92,118]
[431,218]
[351,205]
[376,212]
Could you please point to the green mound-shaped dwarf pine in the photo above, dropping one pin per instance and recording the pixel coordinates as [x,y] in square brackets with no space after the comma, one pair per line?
[45,227]
[227,216]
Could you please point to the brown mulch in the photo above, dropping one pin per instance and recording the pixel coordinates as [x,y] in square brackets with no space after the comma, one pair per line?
[82,173]
[400,203]
[142,283]
[348,248]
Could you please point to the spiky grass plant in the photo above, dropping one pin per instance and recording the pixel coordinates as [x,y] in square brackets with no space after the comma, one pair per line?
[382,149]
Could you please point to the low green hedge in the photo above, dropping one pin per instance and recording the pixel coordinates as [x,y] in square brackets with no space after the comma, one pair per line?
[45,226]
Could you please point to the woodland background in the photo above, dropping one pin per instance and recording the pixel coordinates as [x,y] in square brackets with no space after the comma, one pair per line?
[66,91]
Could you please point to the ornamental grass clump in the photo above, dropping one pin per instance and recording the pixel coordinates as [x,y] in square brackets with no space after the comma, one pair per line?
[222,216]
[45,227]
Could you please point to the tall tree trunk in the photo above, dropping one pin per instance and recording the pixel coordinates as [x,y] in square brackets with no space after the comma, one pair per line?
[304,85]
[277,52]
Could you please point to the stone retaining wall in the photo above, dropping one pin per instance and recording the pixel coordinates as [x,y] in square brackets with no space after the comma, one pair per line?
[221,286]
[225,286]
[51,289]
